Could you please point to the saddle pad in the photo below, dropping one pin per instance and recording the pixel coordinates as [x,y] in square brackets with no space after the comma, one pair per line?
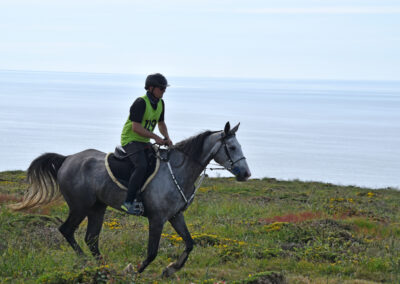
[119,184]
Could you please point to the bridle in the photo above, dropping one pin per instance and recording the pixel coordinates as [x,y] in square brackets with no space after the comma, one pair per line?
[227,153]
[232,163]
[204,165]
[233,169]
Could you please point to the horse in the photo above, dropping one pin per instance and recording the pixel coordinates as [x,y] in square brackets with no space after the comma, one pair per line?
[82,180]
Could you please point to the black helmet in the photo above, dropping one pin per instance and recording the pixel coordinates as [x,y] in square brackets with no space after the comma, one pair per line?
[156,80]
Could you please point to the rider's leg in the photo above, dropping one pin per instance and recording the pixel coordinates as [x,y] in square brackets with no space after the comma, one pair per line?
[139,160]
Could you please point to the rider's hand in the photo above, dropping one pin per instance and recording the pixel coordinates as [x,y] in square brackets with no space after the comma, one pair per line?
[159,140]
[168,142]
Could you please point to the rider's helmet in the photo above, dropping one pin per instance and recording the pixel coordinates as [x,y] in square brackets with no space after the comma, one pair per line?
[156,80]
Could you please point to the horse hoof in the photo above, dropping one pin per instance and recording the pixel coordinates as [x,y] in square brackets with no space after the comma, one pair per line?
[129,270]
[168,271]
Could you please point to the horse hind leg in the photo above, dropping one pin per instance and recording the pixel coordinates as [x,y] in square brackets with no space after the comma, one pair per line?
[69,227]
[178,223]
[95,222]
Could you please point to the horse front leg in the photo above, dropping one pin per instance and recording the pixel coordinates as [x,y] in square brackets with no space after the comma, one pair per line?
[178,222]
[155,229]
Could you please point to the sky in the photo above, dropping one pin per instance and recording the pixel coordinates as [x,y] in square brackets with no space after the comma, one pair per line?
[283,39]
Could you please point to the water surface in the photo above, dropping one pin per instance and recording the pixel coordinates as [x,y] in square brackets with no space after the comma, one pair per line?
[343,132]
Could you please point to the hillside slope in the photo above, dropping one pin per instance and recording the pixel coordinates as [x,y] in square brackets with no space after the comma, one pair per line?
[261,230]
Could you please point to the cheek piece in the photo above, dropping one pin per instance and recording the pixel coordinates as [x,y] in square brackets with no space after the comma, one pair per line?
[235,170]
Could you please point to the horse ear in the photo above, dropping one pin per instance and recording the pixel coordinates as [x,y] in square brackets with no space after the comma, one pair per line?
[233,130]
[227,128]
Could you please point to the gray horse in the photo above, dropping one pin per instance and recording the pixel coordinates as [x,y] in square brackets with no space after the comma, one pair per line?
[83,181]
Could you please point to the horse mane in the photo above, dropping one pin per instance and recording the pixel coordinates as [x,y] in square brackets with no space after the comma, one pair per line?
[192,146]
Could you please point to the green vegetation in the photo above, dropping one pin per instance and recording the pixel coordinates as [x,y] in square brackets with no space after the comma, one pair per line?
[261,231]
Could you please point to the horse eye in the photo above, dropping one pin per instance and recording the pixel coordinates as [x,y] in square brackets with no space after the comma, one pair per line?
[233,148]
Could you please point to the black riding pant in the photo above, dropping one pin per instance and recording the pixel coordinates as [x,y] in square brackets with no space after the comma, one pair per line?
[139,160]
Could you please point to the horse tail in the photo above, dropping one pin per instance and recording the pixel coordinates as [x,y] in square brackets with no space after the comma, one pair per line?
[42,178]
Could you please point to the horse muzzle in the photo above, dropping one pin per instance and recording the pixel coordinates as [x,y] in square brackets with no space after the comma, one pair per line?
[241,175]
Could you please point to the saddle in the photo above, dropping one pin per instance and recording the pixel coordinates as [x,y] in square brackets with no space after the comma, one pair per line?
[120,168]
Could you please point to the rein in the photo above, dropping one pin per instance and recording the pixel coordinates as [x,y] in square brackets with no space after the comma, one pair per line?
[187,201]
[204,165]
[200,180]
[196,187]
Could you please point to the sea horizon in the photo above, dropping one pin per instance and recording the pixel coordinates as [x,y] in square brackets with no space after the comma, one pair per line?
[344,132]
[322,79]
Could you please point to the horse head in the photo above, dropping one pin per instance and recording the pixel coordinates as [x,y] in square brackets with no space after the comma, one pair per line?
[230,155]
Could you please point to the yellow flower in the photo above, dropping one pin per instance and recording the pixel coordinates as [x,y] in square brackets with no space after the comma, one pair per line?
[276,226]
[113,224]
[204,189]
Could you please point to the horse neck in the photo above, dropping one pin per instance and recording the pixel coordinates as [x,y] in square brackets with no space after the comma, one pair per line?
[191,168]
[209,149]
[186,172]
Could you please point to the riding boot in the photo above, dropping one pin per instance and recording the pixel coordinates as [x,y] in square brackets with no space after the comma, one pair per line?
[134,208]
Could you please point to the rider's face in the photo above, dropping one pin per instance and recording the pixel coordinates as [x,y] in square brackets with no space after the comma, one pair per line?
[158,92]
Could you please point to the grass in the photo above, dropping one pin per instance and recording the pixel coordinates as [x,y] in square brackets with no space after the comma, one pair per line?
[261,230]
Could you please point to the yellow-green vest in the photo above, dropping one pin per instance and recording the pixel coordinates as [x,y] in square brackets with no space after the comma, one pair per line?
[149,121]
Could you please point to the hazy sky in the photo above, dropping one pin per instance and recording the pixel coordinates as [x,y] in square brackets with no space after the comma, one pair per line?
[341,39]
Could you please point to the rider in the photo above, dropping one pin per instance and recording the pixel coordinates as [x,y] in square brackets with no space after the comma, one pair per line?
[145,113]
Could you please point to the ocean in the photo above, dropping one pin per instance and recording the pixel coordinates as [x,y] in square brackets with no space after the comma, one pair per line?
[341,132]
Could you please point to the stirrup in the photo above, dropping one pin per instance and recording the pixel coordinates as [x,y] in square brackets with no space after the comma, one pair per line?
[133,208]
[138,208]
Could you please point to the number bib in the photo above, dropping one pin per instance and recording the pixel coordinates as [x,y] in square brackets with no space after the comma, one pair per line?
[149,122]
